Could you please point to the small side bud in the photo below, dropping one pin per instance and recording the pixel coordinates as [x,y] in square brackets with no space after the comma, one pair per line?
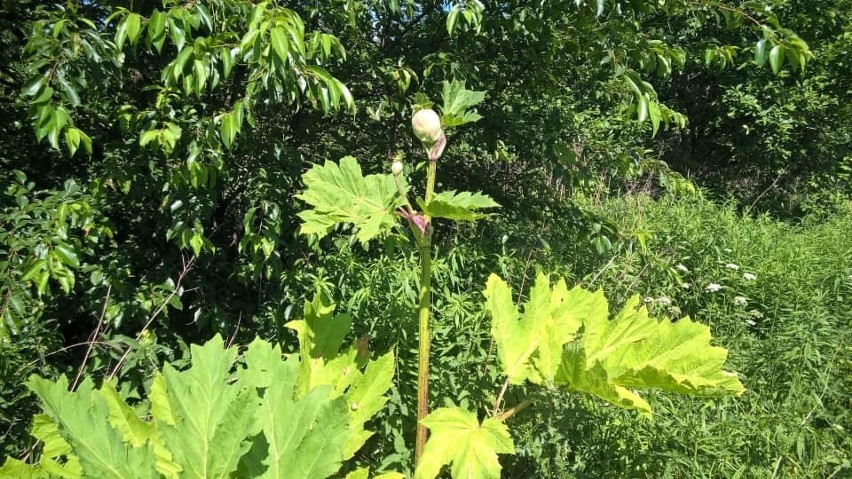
[427,127]
[396,168]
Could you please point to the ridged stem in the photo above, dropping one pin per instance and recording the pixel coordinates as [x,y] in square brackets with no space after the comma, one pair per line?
[425,342]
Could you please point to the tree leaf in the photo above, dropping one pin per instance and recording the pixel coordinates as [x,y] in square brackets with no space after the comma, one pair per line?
[339,193]
[452,18]
[457,206]
[776,56]
[457,102]
[457,438]
[760,52]
[278,37]
[134,23]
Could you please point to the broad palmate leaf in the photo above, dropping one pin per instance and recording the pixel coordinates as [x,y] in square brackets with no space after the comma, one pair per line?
[202,417]
[457,206]
[339,193]
[322,363]
[220,418]
[470,448]
[566,338]
[305,434]
[82,422]
[550,319]
[457,101]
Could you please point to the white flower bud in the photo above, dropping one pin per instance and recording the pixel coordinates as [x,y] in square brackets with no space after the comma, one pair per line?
[396,168]
[427,126]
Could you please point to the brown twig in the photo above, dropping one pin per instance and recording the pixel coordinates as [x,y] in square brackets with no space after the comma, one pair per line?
[514,410]
[187,266]
[92,338]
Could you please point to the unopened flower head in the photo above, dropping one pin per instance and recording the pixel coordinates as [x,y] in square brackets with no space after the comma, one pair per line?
[427,126]
[396,168]
[713,287]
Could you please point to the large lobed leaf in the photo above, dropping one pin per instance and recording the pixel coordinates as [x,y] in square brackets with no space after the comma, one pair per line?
[323,363]
[550,319]
[212,421]
[566,338]
[340,193]
[636,351]
[457,206]
[470,448]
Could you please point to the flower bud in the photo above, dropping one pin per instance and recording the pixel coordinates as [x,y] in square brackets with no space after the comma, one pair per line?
[427,126]
[396,168]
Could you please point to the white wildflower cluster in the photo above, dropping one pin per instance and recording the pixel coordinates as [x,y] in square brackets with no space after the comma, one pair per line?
[661,300]
[713,287]
[740,301]
[749,277]
[732,266]
[682,268]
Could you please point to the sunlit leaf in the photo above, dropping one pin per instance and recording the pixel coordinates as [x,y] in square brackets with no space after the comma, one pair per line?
[458,439]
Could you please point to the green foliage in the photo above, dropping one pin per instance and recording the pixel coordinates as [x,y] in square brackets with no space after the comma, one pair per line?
[457,206]
[341,194]
[219,417]
[630,351]
[458,439]
[457,103]
[185,128]
[793,311]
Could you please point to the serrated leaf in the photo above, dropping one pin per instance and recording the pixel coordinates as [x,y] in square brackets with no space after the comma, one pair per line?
[457,101]
[16,469]
[339,193]
[516,337]
[133,430]
[211,416]
[457,206]
[365,398]
[57,458]
[636,351]
[321,332]
[459,440]
[81,417]
[550,319]
[305,433]
[609,356]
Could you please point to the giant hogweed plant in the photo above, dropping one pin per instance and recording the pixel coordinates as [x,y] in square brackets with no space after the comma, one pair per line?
[260,414]
[562,338]
[303,415]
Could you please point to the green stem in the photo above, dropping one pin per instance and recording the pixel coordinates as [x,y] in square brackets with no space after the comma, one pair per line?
[423,313]
[425,342]
[430,180]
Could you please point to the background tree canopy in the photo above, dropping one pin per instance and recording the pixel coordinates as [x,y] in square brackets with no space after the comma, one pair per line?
[152,154]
